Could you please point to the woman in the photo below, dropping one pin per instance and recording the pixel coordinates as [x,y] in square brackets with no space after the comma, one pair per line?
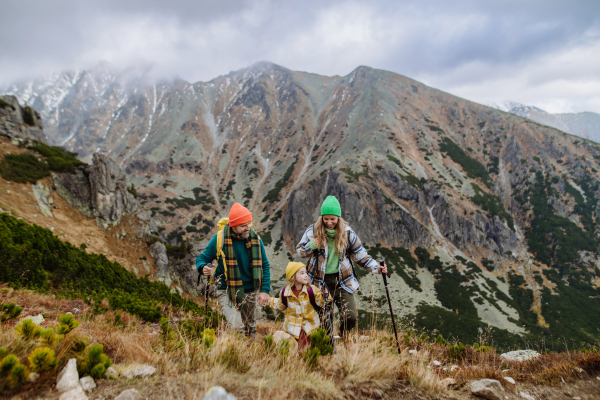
[333,247]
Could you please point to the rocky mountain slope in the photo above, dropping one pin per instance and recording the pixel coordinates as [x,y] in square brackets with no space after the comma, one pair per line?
[583,124]
[486,218]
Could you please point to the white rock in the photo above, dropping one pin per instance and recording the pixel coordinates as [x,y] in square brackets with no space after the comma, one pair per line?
[364,338]
[505,371]
[34,376]
[87,383]
[129,394]
[36,319]
[111,373]
[74,394]
[437,364]
[510,380]
[68,378]
[139,371]
[454,368]
[520,355]
[218,393]
[526,396]
[278,337]
[412,352]
[489,389]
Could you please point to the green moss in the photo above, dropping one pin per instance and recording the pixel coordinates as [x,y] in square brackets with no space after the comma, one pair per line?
[4,104]
[473,168]
[273,194]
[28,117]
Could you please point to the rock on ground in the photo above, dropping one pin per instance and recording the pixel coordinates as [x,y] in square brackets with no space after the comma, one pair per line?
[489,389]
[139,371]
[111,373]
[510,380]
[68,378]
[129,394]
[36,319]
[87,383]
[218,393]
[448,382]
[33,377]
[520,355]
[526,396]
[281,335]
[74,394]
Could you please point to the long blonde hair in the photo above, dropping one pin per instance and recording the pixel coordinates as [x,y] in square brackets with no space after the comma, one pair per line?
[341,237]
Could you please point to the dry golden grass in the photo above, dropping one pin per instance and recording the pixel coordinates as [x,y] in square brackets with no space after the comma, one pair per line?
[364,364]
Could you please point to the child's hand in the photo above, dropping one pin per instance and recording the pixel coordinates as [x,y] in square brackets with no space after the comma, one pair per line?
[264,299]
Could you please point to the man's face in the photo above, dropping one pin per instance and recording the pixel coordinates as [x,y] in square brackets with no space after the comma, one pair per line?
[243,231]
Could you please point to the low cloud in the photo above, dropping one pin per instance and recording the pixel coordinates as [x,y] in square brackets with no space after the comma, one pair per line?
[542,53]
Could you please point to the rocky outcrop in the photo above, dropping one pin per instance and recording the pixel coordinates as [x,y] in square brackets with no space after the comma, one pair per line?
[99,190]
[20,123]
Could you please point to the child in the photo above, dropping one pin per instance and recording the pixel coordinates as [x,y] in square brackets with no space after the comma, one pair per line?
[301,302]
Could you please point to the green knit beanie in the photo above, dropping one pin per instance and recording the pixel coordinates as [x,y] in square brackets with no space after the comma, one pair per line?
[331,206]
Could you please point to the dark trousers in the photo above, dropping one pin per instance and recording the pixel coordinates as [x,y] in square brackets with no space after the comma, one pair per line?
[345,303]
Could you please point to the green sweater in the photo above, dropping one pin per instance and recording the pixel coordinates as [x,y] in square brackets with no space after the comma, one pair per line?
[333,258]
[243,260]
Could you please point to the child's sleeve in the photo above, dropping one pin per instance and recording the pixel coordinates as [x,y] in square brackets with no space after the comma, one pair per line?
[276,304]
[319,299]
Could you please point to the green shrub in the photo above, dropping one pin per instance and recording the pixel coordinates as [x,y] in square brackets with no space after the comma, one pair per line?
[67,323]
[133,191]
[49,336]
[456,352]
[42,359]
[273,194]
[58,159]
[28,118]
[23,168]
[28,329]
[10,311]
[492,204]
[94,363]
[473,168]
[4,104]
[319,346]
[269,342]
[12,372]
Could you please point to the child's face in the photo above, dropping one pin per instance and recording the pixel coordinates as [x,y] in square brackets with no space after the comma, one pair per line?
[302,276]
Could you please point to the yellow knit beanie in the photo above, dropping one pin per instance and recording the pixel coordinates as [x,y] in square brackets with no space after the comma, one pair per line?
[292,268]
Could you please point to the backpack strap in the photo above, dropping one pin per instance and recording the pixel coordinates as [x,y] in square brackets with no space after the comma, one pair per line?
[220,254]
[311,298]
[282,296]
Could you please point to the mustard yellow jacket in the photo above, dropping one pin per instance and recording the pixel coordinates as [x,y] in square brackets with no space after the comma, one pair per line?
[299,313]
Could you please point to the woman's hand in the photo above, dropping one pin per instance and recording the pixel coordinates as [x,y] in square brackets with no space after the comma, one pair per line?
[316,242]
[382,269]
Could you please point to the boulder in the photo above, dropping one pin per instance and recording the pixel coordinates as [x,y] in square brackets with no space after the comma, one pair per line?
[111,373]
[139,371]
[33,377]
[510,380]
[129,394]
[520,355]
[448,382]
[489,389]
[436,363]
[279,336]
[68,378]
[87,383]
[42,195]
[74,394]
[12,124]
[36,319]
[218,393]
[526,396]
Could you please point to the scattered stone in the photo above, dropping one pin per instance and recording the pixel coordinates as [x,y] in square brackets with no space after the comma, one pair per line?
[505,371]
[87,383]
[218,393]
[68,378]
[364,338]
[278,337]
[526,396]
[520,355]
[111,373]
[437,364]
[139,371]
[129,394]
[41,194]
[412,352]
[510,380]
[580,370]
[74,394]
[36,319]
[576,398]
[448,382]
[454,368]
[8,191]
[489,389]
[33,377]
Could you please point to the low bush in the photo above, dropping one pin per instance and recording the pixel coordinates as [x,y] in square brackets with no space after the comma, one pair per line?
[42,359]
[23,168]
[94,363]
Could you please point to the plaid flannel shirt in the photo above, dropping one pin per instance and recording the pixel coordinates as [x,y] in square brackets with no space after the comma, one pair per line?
[355,252]
[299,313]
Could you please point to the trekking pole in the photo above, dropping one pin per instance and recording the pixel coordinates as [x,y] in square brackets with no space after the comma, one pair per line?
[390,304]
[329,316]
[206,287]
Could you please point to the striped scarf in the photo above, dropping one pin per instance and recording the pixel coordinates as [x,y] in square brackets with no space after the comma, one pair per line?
[235,286]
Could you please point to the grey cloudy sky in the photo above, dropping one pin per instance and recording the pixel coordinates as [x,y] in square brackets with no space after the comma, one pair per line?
[543,53]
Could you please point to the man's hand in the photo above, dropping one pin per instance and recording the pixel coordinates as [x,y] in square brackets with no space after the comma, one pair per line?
[263,299]
[382,269]
[207,270]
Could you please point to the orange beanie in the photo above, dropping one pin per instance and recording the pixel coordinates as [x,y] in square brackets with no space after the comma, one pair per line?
[239,215]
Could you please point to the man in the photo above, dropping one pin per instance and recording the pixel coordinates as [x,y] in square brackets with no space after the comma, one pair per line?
[246,270]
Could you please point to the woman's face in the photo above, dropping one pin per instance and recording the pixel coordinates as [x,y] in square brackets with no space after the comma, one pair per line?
[330,221]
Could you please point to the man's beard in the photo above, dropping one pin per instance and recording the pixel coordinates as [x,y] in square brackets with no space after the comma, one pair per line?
[244,235]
